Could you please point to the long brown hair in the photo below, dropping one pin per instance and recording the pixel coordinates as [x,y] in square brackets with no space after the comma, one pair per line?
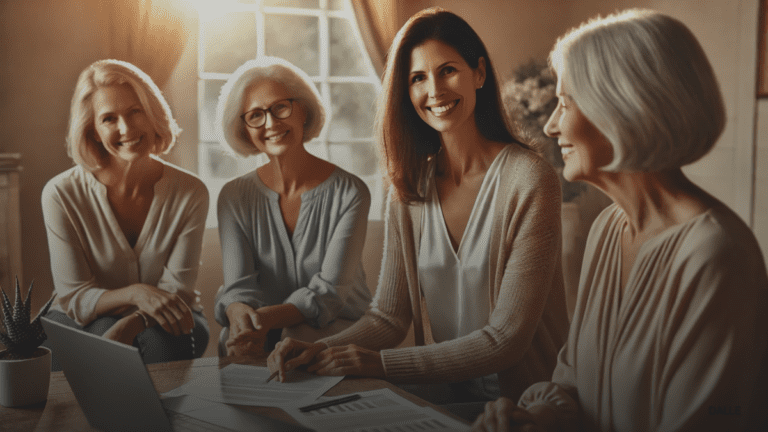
[406,141]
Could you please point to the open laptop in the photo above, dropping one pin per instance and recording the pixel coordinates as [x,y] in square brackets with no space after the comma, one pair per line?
[114,390]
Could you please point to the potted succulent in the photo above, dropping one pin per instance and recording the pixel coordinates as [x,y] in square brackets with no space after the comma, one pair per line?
[25,366]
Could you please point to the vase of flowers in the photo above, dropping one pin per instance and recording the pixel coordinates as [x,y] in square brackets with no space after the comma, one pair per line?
[529,98]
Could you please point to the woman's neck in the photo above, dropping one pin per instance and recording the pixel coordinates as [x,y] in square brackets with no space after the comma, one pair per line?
[130,179]
[465,152]
[289,174]
[655,201]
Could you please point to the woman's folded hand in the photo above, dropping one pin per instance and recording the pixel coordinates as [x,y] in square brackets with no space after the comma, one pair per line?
[168,309]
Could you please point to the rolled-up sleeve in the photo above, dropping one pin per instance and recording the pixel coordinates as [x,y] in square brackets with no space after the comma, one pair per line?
[323,298]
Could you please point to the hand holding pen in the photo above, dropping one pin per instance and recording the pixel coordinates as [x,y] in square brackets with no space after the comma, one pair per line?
[290,354]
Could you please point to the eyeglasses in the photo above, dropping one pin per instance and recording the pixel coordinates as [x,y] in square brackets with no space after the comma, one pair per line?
[257,117]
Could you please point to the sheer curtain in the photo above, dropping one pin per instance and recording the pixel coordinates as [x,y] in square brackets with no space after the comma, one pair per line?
[151,34]
[379,21]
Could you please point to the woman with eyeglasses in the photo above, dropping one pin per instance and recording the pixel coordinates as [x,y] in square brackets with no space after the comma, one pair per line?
[292,231]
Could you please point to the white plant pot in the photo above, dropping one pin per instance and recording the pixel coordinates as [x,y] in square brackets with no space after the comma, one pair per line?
[25,382]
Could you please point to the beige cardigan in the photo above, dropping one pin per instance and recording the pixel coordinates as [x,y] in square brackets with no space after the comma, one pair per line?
[528,322]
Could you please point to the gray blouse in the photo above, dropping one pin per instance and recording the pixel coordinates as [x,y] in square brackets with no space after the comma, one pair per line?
[319,269]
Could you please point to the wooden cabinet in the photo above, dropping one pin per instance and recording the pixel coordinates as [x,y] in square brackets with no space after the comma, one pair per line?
[10,221]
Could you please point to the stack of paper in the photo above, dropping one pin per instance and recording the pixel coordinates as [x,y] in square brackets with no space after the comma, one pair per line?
[246,385]
[378,410]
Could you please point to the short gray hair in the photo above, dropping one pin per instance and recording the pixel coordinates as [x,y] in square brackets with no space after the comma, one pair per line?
[82,146]
[644,81]
[231,129]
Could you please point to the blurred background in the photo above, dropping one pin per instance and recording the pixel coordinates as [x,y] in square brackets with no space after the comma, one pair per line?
[190,47]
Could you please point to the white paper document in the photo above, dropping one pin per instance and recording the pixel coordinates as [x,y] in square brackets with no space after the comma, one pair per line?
[245,385]
[377,410]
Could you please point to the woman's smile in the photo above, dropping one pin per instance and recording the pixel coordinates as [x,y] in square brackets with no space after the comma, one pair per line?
[440,110]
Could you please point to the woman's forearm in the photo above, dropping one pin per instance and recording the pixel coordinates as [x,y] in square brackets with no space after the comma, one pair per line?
[116,301]
[280,316]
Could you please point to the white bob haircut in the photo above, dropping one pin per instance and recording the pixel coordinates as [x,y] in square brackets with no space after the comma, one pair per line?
[82,145]
[643,80]
[231,128]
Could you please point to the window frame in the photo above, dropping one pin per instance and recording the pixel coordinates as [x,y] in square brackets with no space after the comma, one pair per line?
[319,146]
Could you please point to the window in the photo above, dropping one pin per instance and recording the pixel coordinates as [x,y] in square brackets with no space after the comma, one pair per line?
[322,38]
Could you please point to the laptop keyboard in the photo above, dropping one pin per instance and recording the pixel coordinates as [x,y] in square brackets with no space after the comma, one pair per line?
[183,422]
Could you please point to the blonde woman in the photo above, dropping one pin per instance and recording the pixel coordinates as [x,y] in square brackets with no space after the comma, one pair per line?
[124,227]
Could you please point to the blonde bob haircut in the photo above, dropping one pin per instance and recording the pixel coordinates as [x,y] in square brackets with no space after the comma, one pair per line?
[82,145]
[232,130]
[643,80]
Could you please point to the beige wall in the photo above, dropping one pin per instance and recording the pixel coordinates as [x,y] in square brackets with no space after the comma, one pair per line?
[46,43]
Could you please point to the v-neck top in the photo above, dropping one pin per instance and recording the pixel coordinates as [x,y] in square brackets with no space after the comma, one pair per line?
[455,283]
[90,253]
[682,347]
[319,269]
[528,321]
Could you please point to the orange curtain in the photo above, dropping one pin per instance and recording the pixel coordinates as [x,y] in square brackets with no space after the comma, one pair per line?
[379,21]
[151,34]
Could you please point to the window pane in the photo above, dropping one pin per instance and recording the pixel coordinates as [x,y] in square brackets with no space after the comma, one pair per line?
[228,41]
[219,163]
[211,90]
[293,3]
[353,106]
[316,148]
[337,4]
[346,58]
[358,158]
[294,38]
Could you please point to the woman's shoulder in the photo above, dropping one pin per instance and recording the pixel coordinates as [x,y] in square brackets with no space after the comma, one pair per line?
[526,169]
[247,184]
[347,183]
[719,233]
[179,187]
[180,177]
[70,183]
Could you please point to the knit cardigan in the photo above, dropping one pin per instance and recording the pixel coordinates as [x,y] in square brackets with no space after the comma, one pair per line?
[528,322]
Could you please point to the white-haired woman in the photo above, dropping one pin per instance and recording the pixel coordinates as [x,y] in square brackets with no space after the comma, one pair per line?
[292,231]
[669,331]
[124,227]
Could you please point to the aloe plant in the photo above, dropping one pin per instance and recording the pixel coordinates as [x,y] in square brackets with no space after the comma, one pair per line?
[21,336]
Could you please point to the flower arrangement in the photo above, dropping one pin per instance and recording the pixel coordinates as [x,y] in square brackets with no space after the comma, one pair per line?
[529,98]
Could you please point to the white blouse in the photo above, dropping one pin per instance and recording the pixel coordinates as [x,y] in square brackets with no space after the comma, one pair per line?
[455,284]
[89,251]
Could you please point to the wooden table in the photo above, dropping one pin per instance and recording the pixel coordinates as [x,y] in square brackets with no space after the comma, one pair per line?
[62,413]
